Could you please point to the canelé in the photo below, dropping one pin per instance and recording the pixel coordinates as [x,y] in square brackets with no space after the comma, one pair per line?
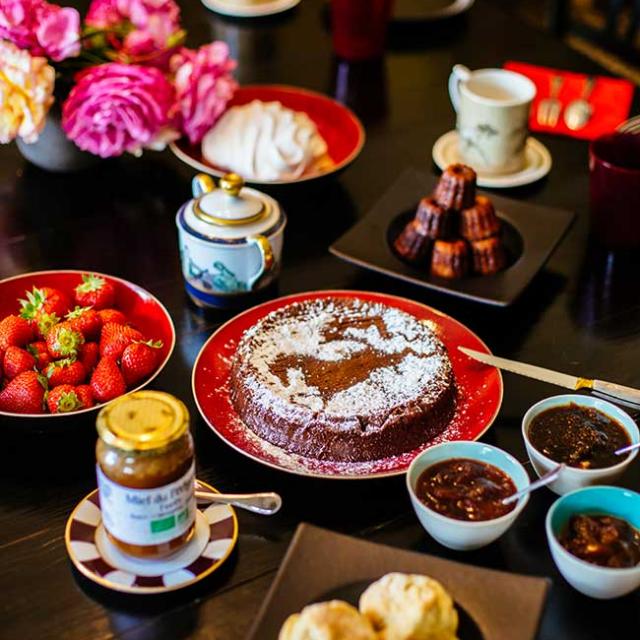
[412,244]
[450,259]
[488,255]
[480,220]
[456,188]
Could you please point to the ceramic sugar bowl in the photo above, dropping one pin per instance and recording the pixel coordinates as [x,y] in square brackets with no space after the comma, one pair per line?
[230,240]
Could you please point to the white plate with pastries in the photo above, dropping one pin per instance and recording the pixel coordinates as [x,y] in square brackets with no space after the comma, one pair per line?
[277,134]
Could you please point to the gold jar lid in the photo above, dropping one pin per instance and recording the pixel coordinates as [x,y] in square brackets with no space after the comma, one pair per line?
[143,421]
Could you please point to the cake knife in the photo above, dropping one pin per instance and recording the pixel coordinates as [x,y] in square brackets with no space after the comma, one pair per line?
[600,387]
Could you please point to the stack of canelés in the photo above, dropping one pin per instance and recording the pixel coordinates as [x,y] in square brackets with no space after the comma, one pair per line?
[455,231]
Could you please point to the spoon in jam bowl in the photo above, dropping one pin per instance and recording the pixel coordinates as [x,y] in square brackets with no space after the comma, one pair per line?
[265,504]
[627,449]
[548,477]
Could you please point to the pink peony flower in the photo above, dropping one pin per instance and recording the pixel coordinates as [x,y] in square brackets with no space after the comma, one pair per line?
[116,107]
[43,29]
[59,33]
[204,85]
[26,93]
[150,27]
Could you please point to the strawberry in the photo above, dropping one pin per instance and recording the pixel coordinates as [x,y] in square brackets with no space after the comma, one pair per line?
[63,399]
[86,321]
[63,341]
[96,292]
[44,323]
[24,394]
[107,382]
[112,315]
[89,354]
[139,360]
[114,338]
[85,394]
[14,331]
[44,300]
[65,371]
[41,354]
[16,361]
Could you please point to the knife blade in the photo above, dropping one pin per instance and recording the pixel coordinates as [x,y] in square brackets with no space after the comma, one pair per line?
[611,389]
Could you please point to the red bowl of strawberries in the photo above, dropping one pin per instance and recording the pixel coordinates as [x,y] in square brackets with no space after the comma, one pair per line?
[71,341]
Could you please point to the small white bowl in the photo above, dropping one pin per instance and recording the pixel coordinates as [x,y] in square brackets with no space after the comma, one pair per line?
[593,580]
[463,535]
[572,478]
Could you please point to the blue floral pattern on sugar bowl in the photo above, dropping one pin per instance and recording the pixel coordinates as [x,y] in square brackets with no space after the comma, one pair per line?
[230,239]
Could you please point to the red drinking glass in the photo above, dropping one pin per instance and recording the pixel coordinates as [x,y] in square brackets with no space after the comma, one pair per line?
[614,166]
[359,27]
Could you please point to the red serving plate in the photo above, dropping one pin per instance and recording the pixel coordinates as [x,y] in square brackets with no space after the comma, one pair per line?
[145,311]
[341,129]
[479,390]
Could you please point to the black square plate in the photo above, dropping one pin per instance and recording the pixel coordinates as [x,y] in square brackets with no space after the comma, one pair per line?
[530,233]
[321,565]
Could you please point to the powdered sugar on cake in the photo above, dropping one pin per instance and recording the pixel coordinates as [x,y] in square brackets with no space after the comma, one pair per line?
[320,333]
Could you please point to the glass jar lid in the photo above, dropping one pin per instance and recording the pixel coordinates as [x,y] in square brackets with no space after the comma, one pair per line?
[143,421]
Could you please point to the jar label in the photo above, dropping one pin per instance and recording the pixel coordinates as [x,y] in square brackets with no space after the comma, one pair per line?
[147,516]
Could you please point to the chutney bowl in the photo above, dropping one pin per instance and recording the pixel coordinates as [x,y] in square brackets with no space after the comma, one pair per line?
[572,478]
[603,583]
[140,307]
[463,535]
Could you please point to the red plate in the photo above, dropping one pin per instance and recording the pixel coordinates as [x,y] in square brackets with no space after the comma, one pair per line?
[479,390]
[143,309]
[341,129]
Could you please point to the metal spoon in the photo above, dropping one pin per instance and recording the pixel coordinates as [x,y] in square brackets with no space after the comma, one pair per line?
[579,112]
[548,477]
[265,504]
[629,447]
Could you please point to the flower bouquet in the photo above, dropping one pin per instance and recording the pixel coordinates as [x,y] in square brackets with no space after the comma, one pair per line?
[123,80]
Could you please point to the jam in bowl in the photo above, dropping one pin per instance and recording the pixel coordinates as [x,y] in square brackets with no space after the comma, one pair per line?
[583,432]
[457,488]
[594,538]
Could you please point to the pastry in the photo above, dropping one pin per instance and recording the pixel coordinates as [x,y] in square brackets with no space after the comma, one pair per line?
[435,220]
[410,607]
[456,188]
[450,259]
[480,220]
[342,379]
[412,244]
[265,141]
[334,620]
[488,255]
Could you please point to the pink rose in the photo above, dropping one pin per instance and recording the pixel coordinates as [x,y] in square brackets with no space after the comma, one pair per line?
[154,26]
[43,29]
[59,33]
[115,108]
[204,85]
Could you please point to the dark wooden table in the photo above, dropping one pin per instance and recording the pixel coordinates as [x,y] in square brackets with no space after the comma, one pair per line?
[581,315]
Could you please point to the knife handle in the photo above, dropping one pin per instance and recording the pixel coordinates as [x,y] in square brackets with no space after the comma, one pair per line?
[628,394]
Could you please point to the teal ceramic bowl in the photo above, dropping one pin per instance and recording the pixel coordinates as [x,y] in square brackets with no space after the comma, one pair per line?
[459,534]
[591,579]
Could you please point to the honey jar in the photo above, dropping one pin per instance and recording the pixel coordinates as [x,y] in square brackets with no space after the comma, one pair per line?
[146,473]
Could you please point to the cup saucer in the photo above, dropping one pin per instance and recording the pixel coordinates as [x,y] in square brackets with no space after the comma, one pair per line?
[230,8]
[537,162]
[93,554]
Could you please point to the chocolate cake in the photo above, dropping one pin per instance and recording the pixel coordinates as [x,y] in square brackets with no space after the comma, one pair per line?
[342,379]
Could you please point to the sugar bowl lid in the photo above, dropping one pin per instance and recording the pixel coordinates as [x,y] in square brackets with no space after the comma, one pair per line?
[230,211]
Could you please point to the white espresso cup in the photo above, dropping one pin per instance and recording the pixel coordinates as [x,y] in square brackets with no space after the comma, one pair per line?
[492,107]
